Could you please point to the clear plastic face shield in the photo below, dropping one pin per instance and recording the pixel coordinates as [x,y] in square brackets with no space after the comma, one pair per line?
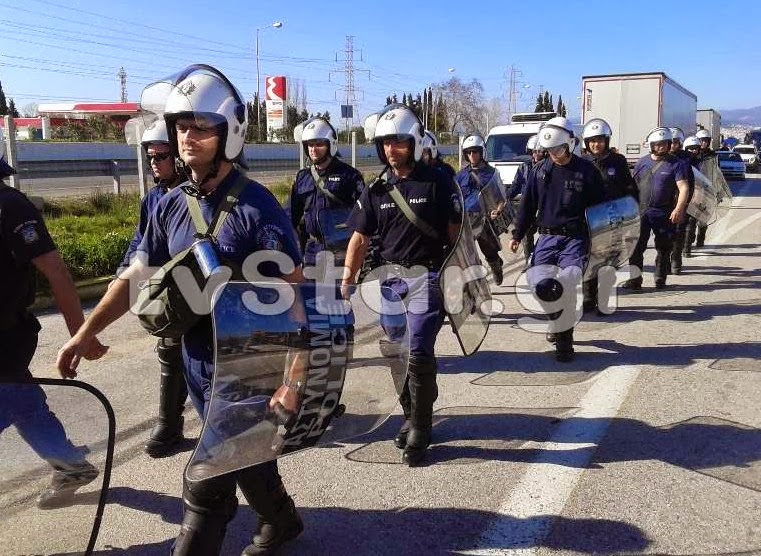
[198,95]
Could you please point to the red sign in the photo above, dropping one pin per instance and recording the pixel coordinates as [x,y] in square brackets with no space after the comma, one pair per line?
[275,88]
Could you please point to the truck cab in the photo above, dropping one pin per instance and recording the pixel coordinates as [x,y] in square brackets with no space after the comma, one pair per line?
[506,144]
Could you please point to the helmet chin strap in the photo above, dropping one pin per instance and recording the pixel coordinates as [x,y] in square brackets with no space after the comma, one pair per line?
[195,188]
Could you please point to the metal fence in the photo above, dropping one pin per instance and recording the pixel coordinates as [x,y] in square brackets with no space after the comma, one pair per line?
[71,169]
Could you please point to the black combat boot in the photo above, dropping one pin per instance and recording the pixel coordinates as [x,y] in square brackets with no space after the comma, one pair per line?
[662,268]
[203,528]
[173,391]
[278,520]
[676,252]
[423,392]
[392,350]
[633,284]
[564,346]
[700,240]
[66,479]
[496,268]
[589,288]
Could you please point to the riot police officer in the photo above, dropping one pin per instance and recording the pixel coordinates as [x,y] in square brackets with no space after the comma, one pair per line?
[692,149]
[416,212]
[166,435]
[557,194]
[677,150]
[25,244]
[432,156]
[706,152]
[617,180]
[206,121]
[472,179]
[328,186]
[663,182]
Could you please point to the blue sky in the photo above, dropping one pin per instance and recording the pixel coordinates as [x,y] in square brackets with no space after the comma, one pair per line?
[66,50]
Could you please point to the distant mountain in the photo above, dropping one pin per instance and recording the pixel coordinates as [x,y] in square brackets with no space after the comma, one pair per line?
[741,116]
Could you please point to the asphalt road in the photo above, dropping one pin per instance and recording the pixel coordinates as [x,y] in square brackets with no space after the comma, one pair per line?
[649,442]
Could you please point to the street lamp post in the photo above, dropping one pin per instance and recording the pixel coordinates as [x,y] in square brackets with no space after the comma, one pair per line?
[435,119]
[276,25]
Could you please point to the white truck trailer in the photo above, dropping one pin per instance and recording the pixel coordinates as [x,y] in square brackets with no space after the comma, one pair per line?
[710,119]
[635,103]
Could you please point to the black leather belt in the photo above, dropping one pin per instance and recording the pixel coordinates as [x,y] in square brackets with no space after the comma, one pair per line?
[430,264]
[568,231]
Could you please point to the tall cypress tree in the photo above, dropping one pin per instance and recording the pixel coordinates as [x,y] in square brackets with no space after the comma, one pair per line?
[546,105]
[3,103]
[12,112]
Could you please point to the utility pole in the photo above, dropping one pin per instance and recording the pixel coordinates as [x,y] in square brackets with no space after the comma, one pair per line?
[512,91]
[123,82]
[349,90]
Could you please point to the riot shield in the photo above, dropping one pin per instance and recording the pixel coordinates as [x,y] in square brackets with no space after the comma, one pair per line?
[334,230]
[56,451]
[467,298]
[492,201]
[475,213]
[709,167]
[296,367]
[614,228]
[703,203]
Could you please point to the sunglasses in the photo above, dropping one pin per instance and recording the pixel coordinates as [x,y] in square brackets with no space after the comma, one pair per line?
[158,157]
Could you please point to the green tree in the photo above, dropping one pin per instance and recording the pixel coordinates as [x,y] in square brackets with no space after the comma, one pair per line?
[12,109]
[539,107]
[546,104]
[3,103]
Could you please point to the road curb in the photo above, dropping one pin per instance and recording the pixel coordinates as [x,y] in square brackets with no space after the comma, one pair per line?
[87,290]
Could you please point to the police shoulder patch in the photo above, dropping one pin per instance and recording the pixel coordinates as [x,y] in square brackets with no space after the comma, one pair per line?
[270,237]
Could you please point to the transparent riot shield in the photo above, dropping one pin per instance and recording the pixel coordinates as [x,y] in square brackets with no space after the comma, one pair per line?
[709,167]
[475,213]
[296,367]
[467,298]
[56,452]
[334,230]
[498,211]
[703,203]
[614,228]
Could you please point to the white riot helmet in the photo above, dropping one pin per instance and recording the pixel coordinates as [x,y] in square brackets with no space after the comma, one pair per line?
[677,133]
[396,120]
[474,142]
[596,127]
[555,132]
[691,142]
[703,134]
[155,133]
[318,129]
[532,144]
[204,93]
[429,142]
[657,135]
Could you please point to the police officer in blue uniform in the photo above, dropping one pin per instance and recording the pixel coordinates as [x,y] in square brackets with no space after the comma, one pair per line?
[206,120]
[166,435]
[663,182]
[557,195]
[476,174]
[25,245]
[328,185]
[692,148]
[413,253]
[617,181]
[704,136]
[432,156]
[677,150]
[518,187]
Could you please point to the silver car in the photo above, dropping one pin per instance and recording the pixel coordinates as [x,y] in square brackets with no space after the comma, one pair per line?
[731,164]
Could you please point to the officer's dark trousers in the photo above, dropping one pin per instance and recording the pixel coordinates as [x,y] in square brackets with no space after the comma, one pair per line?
[657,222]
[562,258]
[489,245]
[421,296]
[210,504]
[24,405]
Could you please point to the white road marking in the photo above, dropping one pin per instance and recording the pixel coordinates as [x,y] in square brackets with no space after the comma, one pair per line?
[542,493]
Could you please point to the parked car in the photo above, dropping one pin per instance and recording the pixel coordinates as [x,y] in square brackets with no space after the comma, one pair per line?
[749,154]
[731,164]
